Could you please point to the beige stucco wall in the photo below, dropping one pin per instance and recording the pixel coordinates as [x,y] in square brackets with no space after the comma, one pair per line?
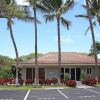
[23,71]
[51,73]
[99,71]
[84,68]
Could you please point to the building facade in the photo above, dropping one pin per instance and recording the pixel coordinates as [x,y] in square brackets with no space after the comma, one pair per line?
[72,64]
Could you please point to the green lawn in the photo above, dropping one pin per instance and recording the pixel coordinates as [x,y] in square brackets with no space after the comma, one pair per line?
[29,87]
[98,85]
[15,88]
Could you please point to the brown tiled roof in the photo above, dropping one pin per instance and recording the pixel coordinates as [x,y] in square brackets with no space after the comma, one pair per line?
[66,58]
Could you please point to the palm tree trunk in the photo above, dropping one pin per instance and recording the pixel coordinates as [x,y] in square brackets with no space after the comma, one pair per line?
[36,62]
[59,51]
[16,52]
[93,38]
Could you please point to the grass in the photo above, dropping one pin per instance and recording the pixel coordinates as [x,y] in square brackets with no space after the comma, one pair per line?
[15,88]
[29,87]
[98,85]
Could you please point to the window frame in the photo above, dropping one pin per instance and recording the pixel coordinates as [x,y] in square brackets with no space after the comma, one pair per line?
[89,71]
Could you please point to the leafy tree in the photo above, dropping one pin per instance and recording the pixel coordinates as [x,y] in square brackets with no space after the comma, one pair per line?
[29,56]
[97,49]
[5,66]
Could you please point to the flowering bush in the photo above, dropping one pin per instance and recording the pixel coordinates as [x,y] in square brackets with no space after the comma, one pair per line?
[98,79]
[48,82]
[54,81]
[91,81]
[42,81]
[5,81]
[71,83]
[63,81]
[28,81]
[21,82]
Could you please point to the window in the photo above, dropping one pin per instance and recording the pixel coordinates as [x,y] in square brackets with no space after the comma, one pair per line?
[62,73]
[66,70]
[89,71]
[28,73]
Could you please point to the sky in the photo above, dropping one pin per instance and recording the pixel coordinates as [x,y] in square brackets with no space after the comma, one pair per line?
[73,40]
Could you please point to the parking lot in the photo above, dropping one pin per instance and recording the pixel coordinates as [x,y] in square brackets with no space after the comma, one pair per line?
[55,94]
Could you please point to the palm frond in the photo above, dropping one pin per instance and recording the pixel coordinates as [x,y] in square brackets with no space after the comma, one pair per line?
[29,19]
[65,23]
[67,6]
[82,16]
[94,24]
[48,5]
[49,17]
[26,9]
[9,22]
[42,8]
[8,1]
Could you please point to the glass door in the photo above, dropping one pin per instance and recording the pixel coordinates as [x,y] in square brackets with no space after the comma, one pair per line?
[72,73]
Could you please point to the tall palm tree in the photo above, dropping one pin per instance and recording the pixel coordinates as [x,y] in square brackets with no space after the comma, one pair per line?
[35,4]
[56,8]
[89,16]
[10,11]
[9,24]
[5,12]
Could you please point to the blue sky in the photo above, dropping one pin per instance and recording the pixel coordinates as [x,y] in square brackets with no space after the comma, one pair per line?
[73,40]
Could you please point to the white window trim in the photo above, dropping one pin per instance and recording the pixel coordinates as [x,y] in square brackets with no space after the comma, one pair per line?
[89,70]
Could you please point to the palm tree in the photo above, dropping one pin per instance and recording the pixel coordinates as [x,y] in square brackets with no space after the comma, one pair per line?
[56,8]
[36,5]
[89,16]
[10,11]
[9,24]
[5,13]
[95,8]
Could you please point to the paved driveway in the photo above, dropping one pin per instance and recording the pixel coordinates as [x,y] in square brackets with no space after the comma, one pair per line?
[57,94]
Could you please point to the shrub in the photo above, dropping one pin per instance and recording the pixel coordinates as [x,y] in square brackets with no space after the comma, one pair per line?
[28,81]
[98,79]
[54,80]
[48,82]
[5,81]
[91,81]
[42,81]
[63,81]
[21,82]
[83,75]
[71,83]
[67,76]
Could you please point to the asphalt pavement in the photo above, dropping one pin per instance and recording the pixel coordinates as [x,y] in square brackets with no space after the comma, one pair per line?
[52,94]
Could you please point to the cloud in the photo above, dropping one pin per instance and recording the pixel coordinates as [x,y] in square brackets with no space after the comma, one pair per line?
[22,2]
[65,39]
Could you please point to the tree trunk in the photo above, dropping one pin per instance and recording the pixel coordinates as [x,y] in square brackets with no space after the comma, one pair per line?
[59,51]
[36,62]
[16,52]
[93,38]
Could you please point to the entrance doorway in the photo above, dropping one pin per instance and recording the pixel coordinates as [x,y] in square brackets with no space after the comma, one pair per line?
[30,74]
[73,72]
[42,73]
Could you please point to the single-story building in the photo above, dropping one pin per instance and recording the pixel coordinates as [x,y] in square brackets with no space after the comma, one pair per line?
[72,63]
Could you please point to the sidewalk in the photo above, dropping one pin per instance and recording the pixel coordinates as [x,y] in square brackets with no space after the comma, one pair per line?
[80,85]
